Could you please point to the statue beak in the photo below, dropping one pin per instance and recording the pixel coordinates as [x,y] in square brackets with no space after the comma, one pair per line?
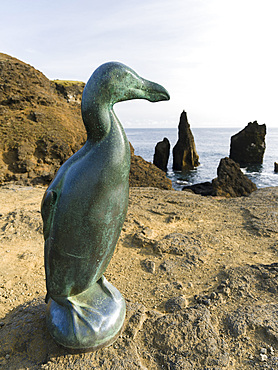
[154,92]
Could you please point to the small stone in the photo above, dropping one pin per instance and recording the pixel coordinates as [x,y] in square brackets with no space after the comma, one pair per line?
[227,291]
[149,266]
[213,295]
[7,357]
[203,300]
[2,324]
[263,357]
[206,302]
[147,232]
[175,304]
[179,285]
[271,351]
[264,351]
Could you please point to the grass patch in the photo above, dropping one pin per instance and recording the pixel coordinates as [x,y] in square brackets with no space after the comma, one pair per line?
[68,82]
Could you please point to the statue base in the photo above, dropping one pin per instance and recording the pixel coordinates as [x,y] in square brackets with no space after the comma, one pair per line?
[91,319]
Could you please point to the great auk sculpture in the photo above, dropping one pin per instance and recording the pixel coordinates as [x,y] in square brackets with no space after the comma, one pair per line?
[83,211]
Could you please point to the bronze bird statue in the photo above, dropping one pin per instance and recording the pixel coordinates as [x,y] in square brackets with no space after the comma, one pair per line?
[83,211]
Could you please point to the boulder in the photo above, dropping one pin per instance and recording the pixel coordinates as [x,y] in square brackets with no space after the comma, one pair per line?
[276,167]
[161,154]
[230,181]
[146,174]
[248,145]
[185,156]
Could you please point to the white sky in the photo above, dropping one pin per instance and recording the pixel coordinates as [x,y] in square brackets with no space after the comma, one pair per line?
[217,58]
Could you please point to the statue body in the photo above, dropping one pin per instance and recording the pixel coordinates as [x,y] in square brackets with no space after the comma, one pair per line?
[83,212]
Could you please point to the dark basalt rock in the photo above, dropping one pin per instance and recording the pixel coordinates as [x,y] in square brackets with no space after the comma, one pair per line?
[276,167]
[161,154]
[248,145]
[230,181]
[185,156]
[203,188]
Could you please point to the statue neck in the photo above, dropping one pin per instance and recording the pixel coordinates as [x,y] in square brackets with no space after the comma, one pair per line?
[97,118]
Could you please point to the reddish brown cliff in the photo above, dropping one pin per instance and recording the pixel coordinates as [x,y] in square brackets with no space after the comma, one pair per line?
[41,126]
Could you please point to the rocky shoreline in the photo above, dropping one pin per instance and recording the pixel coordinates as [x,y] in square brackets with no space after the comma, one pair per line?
[199,275]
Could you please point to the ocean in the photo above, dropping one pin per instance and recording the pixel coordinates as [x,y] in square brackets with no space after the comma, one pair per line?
[212,144]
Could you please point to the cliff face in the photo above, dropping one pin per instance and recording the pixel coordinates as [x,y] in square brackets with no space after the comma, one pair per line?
[185,156]
[41,127]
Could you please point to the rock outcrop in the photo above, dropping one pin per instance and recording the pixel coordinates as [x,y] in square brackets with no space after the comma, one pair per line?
[230,182]
[202,188]
[276,167]
[185,156]
[248,145]
[41,127]
[161,154]
[71,90]
[146,174]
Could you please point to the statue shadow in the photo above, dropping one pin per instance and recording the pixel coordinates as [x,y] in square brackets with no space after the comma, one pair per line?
[24,338]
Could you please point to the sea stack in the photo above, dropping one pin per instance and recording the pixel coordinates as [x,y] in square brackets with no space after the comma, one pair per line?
[161,154]
[185,156]
[248,145]
[230,181]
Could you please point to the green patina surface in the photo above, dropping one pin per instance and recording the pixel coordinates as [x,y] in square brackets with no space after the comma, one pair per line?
[83,212]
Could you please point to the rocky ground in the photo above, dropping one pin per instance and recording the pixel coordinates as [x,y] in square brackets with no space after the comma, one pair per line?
[199,275]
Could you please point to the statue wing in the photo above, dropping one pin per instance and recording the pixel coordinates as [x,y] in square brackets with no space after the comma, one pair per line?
[48,207]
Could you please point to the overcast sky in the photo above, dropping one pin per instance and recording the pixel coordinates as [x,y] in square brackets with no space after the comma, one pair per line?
[217,58]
